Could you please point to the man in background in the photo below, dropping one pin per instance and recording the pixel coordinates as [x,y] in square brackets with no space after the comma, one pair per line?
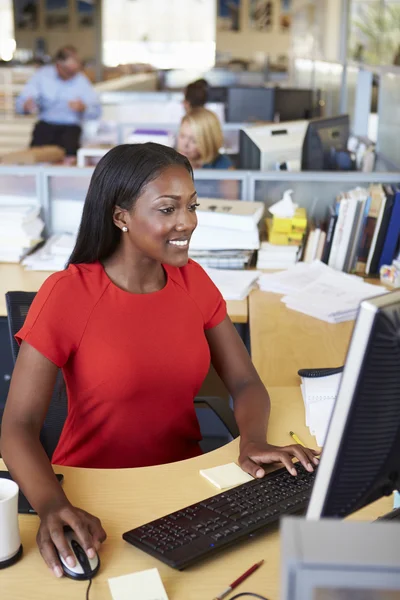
[62,97]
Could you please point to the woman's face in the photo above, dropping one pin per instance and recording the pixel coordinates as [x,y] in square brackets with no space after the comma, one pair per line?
[163,218]
[187,144]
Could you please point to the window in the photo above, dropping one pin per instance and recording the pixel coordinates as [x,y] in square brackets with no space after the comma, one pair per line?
[375,31]
[7,40]
[164,33]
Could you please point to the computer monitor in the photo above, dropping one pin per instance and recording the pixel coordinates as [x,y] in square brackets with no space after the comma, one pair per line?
[292,104]
[360,462]
[249,104]
[217,94]
[262,148]
[325,138]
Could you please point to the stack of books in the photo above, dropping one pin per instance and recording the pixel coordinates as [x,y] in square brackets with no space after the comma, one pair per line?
[363,230]
[227,232]
[53,256]
[20,230]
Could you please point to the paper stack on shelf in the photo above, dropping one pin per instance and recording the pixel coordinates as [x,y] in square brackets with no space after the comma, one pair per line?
[223,259]
[319,291]
[20,230]
[53,255]
[319,396]
[226,225]
[272,256]
[233,285]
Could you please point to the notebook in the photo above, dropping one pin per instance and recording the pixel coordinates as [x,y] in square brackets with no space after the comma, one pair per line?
[226,476]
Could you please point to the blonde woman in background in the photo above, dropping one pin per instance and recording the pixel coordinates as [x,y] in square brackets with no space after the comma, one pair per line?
[200,140]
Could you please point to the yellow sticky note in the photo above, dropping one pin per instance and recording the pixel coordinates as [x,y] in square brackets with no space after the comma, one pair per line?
[143,585]
[226,476]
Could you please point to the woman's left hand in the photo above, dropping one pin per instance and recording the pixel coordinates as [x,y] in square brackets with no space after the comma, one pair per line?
[254,454]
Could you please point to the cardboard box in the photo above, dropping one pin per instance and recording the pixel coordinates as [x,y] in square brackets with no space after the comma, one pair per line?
[32,156]
[298,223]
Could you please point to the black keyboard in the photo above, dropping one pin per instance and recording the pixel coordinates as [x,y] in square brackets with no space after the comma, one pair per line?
[184,537]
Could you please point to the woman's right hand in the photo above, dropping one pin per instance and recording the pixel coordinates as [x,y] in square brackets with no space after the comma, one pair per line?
[50,536]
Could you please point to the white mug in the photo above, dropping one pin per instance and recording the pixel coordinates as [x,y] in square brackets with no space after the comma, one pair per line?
[10,541]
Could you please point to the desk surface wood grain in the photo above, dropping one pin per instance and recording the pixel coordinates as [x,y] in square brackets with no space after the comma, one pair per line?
[284,341]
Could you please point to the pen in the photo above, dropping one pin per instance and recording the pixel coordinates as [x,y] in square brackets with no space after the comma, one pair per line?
[239,580]
[296,439]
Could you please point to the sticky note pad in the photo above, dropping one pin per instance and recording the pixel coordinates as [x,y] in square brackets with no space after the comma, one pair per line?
[144,585]
[226,476]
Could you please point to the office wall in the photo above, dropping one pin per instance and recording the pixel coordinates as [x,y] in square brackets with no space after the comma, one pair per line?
[83,38]
[246,42]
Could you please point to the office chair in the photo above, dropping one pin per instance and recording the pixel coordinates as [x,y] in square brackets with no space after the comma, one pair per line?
[18,304]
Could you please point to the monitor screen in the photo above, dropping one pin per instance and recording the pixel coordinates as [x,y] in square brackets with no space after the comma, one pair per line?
[323,140]
[293,104]
[249,104]
[361,458]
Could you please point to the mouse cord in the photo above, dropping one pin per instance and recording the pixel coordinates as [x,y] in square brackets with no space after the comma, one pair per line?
[248,594]
[88,589]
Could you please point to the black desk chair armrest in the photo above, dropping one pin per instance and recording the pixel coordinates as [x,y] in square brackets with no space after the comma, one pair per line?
[223,411]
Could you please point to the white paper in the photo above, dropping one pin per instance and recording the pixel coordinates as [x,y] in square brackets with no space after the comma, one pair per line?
[320,291]
[233,284]
[319,396]
[144,585]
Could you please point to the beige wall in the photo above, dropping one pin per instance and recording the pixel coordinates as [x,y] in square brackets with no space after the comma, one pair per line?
[246,42]
[82,38]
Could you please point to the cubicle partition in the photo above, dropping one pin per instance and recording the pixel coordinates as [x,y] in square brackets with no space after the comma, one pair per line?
[61,191]
[388,109]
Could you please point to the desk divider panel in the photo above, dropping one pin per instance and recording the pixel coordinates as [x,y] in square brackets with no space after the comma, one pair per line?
[62,190]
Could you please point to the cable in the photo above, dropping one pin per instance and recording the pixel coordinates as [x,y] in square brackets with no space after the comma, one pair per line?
[88,589]
[248,594]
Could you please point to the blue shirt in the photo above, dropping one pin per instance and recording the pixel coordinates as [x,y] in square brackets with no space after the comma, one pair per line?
[222,161]
[52,95]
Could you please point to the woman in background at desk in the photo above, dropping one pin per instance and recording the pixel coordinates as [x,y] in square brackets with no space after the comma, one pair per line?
[132,322]
[196,95]
[200,139]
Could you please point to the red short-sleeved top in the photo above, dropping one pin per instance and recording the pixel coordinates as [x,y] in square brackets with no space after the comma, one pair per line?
[132,363]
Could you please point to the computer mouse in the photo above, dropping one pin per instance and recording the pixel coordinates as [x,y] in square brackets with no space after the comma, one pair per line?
[86,568]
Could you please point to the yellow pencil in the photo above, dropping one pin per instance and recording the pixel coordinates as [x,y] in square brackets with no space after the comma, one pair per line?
[296,439]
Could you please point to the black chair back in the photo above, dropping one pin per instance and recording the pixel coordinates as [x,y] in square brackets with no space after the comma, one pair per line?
[18,304]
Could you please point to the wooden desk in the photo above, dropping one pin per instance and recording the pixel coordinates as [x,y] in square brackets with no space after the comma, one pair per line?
[284,341]
[123,499]
[14,277]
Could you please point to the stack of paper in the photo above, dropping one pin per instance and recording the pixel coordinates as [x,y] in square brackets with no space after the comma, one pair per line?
[226,225]
[20,230]
[53,255]
[293,279]
[223,259]
[233,285]
[272,256]
[319,291]
[319,396]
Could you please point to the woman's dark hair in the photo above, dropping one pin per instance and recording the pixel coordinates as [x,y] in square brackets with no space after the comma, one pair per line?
[196,93]
[118,180]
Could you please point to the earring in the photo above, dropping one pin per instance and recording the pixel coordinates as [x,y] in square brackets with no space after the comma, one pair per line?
[124,229]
